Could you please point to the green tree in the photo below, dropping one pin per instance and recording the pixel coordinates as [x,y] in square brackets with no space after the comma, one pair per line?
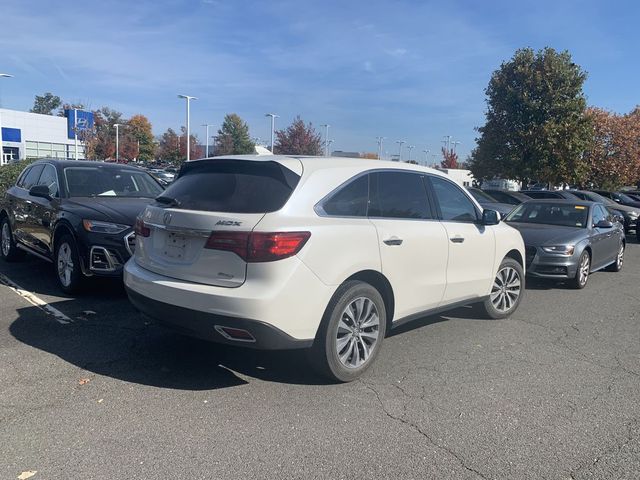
[233,137]
[536,126]
[101,145]
[140,134]
[169,146]
[298,139]
[46,104]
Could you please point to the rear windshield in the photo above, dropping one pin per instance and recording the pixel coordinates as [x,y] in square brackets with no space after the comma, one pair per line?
[232,186]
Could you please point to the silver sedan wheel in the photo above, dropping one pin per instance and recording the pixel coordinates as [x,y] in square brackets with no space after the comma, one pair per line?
[358,331]
[65,264]
[584,269]
[620,259]
[506,289]
[6,239]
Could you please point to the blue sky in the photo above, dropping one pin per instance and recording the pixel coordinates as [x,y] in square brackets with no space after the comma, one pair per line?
[410,70]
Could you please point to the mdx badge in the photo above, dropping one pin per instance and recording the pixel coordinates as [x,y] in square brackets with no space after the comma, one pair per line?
[229,223]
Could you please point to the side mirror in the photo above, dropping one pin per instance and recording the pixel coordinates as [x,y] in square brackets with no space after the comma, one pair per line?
[617,200]
[41,191]
[490,217]
[604,224]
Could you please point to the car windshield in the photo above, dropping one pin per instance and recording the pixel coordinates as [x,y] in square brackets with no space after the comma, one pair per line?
[623,197]
[593,197]
[561,214]
[481,196]
[109,182]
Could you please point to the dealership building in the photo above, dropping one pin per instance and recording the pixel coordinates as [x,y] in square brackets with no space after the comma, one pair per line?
[32,135]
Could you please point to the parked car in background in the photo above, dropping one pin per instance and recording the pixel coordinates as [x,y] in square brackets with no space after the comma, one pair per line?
[164,178]
[619,197]
[487,201]
[631,215]
[507,196]
[277,252]
[633,194]
[568,240]
[77,215]
[558,194]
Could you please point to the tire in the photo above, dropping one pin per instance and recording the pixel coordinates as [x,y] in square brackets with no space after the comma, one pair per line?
[582,274]
[9,251]
[507,290]
[351,333]
[617,265]
[67,265]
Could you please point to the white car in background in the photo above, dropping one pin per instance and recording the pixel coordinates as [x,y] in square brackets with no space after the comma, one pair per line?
[279,252]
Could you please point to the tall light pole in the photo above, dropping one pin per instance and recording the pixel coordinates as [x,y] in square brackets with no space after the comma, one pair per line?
[2,75]
[380,139]
[426,157]
[117,125]
[188,99]
[326,139]
[207,125]
[447,141]
[410,147]
[330,142]
[400,143]
[455,144]
[273,127]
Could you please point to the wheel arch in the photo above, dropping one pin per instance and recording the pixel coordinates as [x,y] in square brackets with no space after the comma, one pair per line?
[59,230]
[515,255]
[378,281]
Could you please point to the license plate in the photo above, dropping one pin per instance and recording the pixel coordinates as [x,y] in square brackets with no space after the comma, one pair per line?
[175,246]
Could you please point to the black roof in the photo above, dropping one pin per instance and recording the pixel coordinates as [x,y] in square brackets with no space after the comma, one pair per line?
[562,201]
[82,163]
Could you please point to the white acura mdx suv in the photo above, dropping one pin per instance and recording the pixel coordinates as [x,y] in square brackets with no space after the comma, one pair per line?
[278,252]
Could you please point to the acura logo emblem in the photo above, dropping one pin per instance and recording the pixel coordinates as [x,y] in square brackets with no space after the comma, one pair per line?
[167,218]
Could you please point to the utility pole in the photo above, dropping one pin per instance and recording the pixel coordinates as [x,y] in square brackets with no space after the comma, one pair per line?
[400,142]
[326,139]
[273,127]
[188,99]
[207,125]
[380,139]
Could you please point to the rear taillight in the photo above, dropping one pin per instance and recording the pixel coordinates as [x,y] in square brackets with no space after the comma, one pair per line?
[259,246]
[141,229]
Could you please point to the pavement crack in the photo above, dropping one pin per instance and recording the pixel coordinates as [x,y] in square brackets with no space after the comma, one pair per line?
[417,429]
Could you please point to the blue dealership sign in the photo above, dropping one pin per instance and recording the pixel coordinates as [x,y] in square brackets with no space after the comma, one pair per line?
[11,134]
[84,122]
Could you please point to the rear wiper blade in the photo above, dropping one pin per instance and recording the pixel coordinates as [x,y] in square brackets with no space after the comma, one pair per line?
[169,201]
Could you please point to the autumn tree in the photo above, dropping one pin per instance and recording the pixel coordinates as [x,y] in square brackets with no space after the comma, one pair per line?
[233,137]
[169,146]
[102,144]
[449,158]
[298,139]
[139,132]
[614,155]
[46,104]
[536,124]
[194,150]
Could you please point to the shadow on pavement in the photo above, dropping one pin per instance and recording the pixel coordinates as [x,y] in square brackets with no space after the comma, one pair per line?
[135,350]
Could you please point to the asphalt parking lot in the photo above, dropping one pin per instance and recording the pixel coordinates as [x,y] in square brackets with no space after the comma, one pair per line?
[553,392]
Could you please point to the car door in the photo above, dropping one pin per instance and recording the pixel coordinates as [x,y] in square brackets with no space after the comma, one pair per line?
[43,210]
[471,245]
[412,242]
[23,206]
[604,241]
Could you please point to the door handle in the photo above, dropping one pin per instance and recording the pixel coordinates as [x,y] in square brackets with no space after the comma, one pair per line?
[393,241]
[457,239]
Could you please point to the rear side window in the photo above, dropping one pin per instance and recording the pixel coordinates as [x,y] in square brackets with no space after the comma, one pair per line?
[454,203]
[32,176]
[350,200]
[233,186]
[398,195]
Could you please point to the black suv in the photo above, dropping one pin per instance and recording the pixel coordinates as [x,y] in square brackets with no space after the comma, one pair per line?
[79,215]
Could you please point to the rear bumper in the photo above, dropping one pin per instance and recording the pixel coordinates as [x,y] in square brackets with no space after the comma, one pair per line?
[208,326]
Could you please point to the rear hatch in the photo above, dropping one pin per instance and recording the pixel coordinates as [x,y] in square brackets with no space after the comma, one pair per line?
[195,230]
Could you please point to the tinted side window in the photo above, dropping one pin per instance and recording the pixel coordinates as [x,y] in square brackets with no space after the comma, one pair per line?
[398,195]
[49,178]
[23,175]
[454,204]
[31,178]
[599,214]
[350,200]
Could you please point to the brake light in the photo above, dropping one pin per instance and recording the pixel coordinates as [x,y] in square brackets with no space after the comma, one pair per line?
[257,247]
[141,229]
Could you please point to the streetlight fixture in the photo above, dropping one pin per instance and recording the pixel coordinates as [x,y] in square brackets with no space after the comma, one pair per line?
[410,147]
[400,143]
[2,75]
[118,125]
[273,126]
[380,139]
[447,141]
[426,157]
[326,139]
[188,99]
[330,142]
[455,144]
[207,125]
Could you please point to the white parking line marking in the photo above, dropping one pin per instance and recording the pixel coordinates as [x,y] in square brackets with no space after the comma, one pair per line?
[36,301]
